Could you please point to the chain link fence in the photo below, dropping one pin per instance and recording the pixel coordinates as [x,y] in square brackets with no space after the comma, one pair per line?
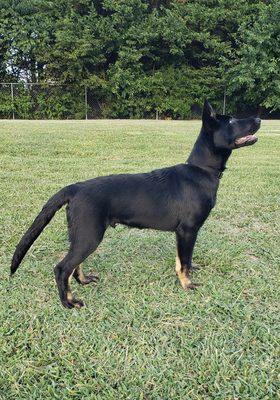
[47,101]
[60,101]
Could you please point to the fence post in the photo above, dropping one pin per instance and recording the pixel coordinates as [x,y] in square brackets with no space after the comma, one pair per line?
[12,97]
[224,102]
[156,114]
[86,100]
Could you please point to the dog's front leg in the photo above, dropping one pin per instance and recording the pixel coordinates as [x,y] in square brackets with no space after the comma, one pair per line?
[185,244]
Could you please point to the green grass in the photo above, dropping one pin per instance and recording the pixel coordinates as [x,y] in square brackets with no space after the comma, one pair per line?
[140,335]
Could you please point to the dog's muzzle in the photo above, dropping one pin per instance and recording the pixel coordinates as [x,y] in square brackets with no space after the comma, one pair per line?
[250,138]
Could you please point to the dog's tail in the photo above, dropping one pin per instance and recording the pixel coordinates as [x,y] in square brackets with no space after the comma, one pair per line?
[41,221]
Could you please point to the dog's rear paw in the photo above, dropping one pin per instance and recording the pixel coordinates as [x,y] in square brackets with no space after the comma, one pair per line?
[192,286]
[78,303]
[73,303]
[90,278]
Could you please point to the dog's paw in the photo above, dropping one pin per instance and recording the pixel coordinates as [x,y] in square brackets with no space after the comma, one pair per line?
[73,303]
[90,278]
[192,286]
[78,303]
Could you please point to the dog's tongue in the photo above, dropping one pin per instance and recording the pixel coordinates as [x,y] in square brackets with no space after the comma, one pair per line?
[244,139]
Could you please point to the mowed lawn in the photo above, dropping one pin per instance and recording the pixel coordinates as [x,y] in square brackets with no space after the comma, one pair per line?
[140,335]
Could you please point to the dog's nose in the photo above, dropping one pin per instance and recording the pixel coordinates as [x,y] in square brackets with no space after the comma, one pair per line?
[258,121]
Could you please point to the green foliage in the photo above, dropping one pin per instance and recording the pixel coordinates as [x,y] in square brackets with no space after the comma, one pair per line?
[6,105]
[256,70]
[139,56]
[172,92]
[42,101]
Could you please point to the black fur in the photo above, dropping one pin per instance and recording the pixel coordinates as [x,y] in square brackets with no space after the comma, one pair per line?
[176,199]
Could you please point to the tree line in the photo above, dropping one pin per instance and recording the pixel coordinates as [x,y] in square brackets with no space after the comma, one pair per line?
[139,57]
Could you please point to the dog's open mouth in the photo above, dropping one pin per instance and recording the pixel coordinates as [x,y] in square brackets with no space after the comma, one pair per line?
[246,140]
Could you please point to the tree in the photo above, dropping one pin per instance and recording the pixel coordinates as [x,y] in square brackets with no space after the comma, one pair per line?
[256,70]
[139,56]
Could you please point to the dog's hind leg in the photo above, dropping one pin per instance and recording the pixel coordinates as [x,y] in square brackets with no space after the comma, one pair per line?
[85,236]
[78,273]
[65,270]
[185,243]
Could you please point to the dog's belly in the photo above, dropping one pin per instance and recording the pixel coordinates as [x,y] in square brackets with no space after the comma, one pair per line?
[162,222]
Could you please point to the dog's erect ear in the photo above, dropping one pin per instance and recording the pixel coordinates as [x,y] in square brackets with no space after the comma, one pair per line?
[208,111]
[208,115]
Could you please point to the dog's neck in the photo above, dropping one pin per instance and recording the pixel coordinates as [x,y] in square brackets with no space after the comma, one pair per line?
[206,156]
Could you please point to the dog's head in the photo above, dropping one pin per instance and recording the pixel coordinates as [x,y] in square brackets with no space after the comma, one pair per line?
[227,132]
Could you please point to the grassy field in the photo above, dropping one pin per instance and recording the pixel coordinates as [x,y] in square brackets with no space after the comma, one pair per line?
[140,335]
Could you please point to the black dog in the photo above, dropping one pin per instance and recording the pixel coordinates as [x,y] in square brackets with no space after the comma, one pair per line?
[176,199]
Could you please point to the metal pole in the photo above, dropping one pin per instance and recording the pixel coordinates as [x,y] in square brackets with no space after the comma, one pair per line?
[12,96]
[156,114]
[224,103]
[86,101]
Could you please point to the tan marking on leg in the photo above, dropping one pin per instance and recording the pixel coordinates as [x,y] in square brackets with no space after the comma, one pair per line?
[80,274]
[69,295]
[69,292]
[178,266]
[183,278]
